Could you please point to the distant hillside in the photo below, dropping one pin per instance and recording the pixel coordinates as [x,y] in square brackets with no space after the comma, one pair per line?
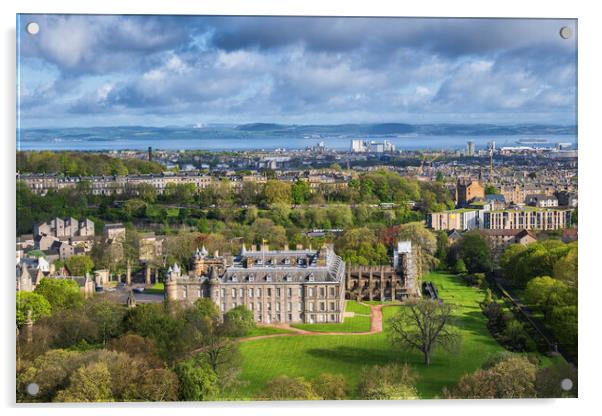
[260,127]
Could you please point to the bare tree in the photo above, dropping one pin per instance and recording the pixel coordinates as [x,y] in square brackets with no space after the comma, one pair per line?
[424,325]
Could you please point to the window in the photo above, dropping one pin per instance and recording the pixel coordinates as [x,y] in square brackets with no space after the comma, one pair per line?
[241,292]
[322,307]
[332,306]
[289,307]
[290,317]
[250,292]
[322,292]
[311,306]
[332,318]
[259,306]
[332,291]
[259,292]
[233,293]
[289,292]
[251,306]
[300,306]
[269,292]
[301,291]
[269,307]
[278,292]
[223,307]
[310,292]
[277,306]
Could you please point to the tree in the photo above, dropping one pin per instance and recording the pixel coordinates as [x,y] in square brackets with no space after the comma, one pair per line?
[288,388]
[491,190]
[473,247]
[300,192]
[155,385]
[60,293]
[512,377]
[107,316]
[388,382]
[79,265]
[460,267]
[442,246]
[330,386]
[276,191]
[547,293]
[144,349]
[34,302]
[548,380]
[424,325]
[91,383]
[238,321]
[197,381]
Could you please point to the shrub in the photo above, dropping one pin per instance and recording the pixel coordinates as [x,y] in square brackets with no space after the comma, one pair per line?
[330,386]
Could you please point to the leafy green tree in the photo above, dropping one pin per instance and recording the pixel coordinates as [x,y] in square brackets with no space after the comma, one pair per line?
[238,321]
[491,190]
[91,383]
[549,380]
[34,302]
[276,191]
[155,385]
[330,386]
[79,265]
[197,381]
[145,349]
[460,267]
[424,325]
[388,382]
[474,249]
[288,388]
[547,293]
[511,378]
[107,316]
[300,192]
[60,293]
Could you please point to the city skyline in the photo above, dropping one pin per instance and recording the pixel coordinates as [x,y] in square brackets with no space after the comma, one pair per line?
[149,70]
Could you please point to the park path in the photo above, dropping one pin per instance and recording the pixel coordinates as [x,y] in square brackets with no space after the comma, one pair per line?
[376,326]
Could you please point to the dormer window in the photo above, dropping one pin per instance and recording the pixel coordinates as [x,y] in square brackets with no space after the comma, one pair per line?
[251,278]
[300,262]
[286,278]
[234,278]
[268,277]
[287,261]
[311,277]
[259,262]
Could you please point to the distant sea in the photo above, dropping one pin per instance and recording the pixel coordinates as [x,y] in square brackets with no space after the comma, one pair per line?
[233,139]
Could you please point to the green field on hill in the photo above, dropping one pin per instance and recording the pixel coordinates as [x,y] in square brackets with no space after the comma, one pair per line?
[309,356]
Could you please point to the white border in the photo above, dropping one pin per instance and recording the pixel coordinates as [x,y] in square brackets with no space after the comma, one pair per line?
[590,141]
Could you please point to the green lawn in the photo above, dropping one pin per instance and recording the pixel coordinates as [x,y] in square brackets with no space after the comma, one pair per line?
[267,330]
[157,288]
[356,307]
[358,323]
[309,356]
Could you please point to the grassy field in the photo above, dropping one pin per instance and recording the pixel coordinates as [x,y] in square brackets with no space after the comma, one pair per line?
[358,323]
[267,330]
[309,356]
[157,288]
[354,306]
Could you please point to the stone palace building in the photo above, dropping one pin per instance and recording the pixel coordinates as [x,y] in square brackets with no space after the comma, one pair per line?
[283,286]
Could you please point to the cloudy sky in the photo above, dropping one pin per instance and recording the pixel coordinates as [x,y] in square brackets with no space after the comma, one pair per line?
[168,70]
